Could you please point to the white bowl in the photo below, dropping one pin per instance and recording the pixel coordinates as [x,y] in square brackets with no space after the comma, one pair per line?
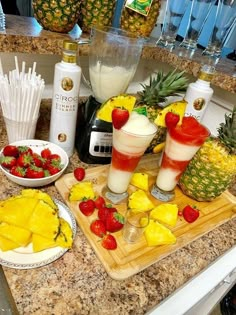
[37,146]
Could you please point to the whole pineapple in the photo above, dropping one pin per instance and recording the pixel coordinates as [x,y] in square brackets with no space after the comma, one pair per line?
[56,15]
[139,24]
[154,95]
[212,169]
[96,13]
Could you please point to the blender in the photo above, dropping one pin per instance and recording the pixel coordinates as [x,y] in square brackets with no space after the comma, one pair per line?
[114,55]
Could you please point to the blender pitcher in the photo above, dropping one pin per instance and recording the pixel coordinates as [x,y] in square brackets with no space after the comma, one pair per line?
[113,59]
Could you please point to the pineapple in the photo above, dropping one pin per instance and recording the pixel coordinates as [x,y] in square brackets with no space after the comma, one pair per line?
[157,234]
[139,24]
[139,202]
[81,190]
[96,13]
[140,180]
[212,169]
[154,95]
[56,15]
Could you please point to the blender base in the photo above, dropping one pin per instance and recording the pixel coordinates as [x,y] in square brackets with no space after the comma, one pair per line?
[113,197]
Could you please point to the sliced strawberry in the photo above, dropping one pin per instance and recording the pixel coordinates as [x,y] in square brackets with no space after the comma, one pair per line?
[171,120]
[79,173]
[114,221]
[119,117]
[18,171]
[98,228]
[190,213]
[8,161]
[11,150]
[87,207]
[109,242]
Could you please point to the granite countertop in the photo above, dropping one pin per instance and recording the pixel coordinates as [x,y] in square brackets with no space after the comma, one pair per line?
[25,35]
[77,283]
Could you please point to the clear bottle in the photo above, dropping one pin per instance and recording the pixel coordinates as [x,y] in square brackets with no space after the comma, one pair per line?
[199,93]
[66,86]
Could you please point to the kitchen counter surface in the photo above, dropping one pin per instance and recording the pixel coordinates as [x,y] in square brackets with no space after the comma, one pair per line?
[77,282]
[25,35]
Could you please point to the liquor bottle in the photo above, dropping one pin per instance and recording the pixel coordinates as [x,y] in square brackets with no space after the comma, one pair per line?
[66,86]
[199,93]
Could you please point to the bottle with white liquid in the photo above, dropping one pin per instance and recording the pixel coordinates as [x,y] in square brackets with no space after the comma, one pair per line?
[199,93]
[67,76]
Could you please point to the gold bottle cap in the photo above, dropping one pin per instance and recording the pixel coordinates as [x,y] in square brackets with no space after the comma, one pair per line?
[206,73]
[70,45]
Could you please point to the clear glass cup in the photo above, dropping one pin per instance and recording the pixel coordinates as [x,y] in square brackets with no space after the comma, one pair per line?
[182,142]
[114,55]
[174,13]
[135,224]
[225,18]
[198,15]
[127,149]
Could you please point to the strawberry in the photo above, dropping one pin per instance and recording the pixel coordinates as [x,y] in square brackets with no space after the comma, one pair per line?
[24,149]
[98,228]
[190,213]
[103,212]
[119,117]
[24,159]
[55,157]
[53,169]
[109,242]
[45,153]
[37,160]
[79,173]
[114,221]
[171,120]
[10,150]
[34,172]
[99,202]
[8,161]
[18,171]
[87,207]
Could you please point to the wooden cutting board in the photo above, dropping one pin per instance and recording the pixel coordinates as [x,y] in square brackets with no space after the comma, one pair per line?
[129,259]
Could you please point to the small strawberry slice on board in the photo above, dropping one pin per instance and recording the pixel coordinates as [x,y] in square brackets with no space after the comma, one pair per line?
[119,117]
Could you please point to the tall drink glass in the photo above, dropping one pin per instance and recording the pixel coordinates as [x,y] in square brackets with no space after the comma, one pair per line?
[182,142]
[128,146]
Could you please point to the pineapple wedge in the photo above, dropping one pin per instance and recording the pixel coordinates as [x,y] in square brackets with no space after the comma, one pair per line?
[81,190]
[6,244]
[140,180]
[157,234]
[65,237]
[40,243]
[123,100]
[38,194]
[165,213]
[139,202]
[15,234]
[176,107]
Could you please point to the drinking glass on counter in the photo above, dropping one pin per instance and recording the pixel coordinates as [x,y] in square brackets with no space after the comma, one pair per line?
[128,146]
[174,13]
[135,224]
[182,142]
[198,15]
[224,21]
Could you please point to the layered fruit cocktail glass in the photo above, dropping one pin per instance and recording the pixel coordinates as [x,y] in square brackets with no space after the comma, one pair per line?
[128,146]
[182,142]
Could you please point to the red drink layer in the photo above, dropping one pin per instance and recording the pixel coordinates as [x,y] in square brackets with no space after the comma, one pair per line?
[191,132]
[124,162]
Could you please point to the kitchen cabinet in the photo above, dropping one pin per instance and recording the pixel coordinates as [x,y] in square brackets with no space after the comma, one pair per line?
[77,282]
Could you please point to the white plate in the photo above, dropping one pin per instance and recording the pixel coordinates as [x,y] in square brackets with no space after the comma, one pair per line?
[24,258]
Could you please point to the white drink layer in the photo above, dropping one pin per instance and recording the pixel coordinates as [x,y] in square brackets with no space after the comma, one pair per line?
[166,179]
[132,140]
[109,81]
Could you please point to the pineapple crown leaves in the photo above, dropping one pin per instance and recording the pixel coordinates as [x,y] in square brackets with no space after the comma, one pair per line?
[227,131]
[161,86]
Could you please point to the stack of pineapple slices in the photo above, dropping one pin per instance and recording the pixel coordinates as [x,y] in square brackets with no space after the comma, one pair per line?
[32,217]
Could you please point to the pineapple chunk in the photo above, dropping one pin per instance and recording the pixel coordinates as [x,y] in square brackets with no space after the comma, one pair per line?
[140,180]
[40,242]
[38,194]
[6,244]
[65,238]
[176,107]
[15,234]
[139,202]
[44,220]
[123,100]
[81,190]
[165,213]
[157,234]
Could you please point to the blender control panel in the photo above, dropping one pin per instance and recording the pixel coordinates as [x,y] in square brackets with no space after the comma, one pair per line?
[100,144]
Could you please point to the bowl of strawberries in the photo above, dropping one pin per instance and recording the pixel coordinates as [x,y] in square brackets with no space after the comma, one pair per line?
[33,163]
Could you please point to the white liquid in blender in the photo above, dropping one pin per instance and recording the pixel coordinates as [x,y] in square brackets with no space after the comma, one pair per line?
[109,81]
